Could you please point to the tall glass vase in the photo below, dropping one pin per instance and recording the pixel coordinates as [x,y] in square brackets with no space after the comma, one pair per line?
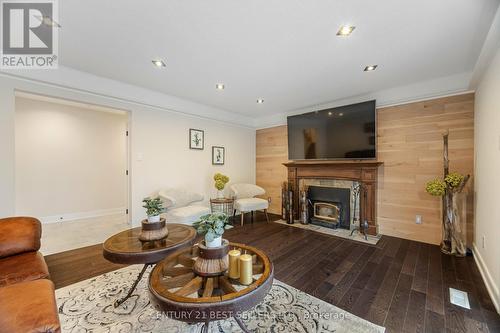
[454,237]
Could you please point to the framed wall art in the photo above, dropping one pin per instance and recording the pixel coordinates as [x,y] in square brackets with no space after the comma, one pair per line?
[196,139]
[218,155]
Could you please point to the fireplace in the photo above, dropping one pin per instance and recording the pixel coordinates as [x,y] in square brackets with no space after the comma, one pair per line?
[329,206]
[362,172]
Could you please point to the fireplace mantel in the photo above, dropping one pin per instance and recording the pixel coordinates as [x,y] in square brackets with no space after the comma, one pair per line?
[363,171]
[350,163]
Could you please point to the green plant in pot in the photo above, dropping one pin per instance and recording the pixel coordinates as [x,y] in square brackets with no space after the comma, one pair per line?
[154,207]
[212,226]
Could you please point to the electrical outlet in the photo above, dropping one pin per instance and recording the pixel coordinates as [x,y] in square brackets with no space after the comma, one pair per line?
[418,219]
[484,242]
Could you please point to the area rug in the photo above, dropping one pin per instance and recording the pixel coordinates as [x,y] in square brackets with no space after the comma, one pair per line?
[343,233]
[87,306]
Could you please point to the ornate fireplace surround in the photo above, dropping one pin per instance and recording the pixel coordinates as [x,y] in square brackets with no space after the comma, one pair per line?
[364,172]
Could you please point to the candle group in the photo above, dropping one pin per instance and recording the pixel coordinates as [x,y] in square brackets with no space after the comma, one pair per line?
[240,266]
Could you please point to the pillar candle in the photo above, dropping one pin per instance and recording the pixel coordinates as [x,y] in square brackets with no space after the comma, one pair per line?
[246,269]
[234,269]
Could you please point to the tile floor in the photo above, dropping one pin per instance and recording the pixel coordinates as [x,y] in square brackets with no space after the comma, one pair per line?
[64,236]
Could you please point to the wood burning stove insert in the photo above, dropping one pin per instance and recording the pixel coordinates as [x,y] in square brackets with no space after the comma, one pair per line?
[329,206]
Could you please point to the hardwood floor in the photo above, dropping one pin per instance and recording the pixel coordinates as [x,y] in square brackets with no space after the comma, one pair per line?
[400,284]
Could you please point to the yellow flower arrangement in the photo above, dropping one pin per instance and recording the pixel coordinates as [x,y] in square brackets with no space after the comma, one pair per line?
[220,181]
[453,179]
[436,187]
[453,182]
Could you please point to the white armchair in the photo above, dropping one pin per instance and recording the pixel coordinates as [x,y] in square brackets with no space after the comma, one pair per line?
[182,206]
[245,200]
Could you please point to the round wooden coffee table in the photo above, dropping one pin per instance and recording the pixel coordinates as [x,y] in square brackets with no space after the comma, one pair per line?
[126,248]
[182,295]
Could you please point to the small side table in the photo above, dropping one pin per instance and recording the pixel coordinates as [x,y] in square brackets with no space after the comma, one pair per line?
[126,248]
[222,205]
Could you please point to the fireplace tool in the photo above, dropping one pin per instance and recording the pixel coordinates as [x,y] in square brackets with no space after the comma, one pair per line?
[363,227]
[304,207]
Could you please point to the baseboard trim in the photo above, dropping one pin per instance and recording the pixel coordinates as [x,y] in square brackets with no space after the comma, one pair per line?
[488,280]
[82,215]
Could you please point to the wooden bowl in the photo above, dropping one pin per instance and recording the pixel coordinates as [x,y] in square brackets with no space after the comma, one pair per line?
[212,261]
[153,231]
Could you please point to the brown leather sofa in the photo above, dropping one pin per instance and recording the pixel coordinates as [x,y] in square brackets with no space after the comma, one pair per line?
[27,300]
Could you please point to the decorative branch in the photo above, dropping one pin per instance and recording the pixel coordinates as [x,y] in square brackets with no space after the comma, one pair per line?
[463,183]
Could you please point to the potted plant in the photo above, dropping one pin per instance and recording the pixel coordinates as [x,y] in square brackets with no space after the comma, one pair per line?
[212,226]
[154,207]
[220,182]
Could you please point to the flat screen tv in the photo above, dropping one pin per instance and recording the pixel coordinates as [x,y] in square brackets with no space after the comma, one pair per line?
[346,132]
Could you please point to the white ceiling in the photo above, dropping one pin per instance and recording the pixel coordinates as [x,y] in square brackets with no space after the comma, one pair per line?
[283,51]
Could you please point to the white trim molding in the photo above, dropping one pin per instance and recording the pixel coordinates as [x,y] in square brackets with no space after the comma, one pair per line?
[419,91]
[82,215]
[73,80]
[91,85]
[488,51]
[487,277]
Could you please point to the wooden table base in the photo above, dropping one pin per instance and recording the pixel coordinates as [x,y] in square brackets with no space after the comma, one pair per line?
[126,248]
[120,301]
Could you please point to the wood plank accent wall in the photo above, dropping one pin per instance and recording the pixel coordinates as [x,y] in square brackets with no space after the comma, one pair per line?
[409,142]
[272,152]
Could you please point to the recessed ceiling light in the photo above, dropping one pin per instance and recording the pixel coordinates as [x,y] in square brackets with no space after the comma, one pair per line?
[370,68]
[159,63]
[330,113]
[345,30]
[260,101]
[341,114]
[219,86]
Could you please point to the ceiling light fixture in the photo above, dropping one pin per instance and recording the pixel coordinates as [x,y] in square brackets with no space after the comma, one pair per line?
[219,86]
[330,113]
[260,101]
[345,30]
[370,68]
[159,63]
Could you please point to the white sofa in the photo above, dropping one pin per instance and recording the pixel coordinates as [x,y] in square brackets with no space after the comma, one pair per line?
[182,206]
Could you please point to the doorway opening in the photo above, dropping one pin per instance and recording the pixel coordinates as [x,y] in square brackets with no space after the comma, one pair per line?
[72,170]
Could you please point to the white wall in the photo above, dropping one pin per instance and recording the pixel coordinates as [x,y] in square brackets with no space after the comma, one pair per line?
[162,158]
[158,133]
[70,161]
[7,162]
[487,177]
